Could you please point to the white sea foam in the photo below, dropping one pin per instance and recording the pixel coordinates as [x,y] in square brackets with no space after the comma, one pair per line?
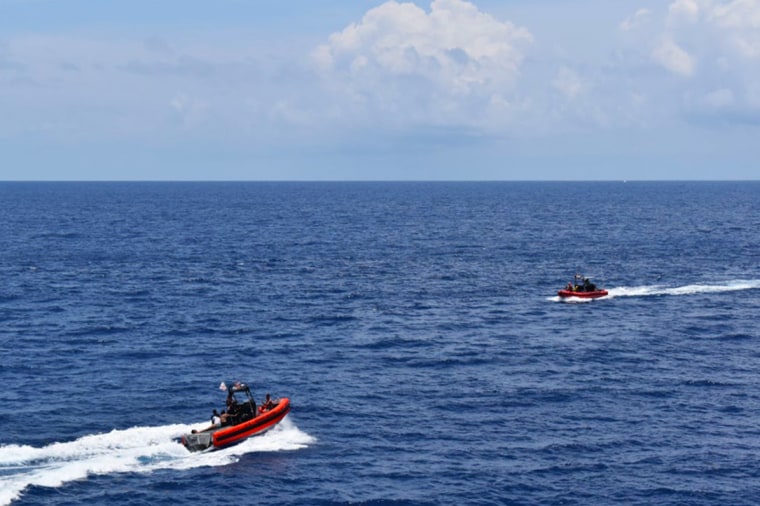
[571,300]
[139,449]
[654,290]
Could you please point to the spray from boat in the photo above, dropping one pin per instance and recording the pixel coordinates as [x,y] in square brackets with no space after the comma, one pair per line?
[134,450]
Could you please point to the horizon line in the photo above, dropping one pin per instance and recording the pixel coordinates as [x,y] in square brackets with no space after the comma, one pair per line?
[617,180]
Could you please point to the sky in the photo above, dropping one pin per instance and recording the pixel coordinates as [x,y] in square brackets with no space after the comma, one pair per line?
[379,90]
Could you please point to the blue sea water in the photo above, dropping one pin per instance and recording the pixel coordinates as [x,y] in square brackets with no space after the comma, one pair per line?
[414,326]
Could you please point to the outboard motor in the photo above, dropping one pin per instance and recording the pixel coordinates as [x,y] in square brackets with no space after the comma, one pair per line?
[198,442]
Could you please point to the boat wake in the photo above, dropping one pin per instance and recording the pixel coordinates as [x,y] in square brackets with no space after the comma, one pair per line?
[658,290]
[139,449]
[655,290]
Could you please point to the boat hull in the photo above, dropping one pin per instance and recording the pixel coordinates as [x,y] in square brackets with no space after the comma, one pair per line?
[582,295]
[227,436]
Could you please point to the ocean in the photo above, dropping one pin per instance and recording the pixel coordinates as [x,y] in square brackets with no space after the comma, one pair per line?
[415,328]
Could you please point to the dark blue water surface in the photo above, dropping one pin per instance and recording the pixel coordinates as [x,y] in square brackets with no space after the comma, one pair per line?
[414,326]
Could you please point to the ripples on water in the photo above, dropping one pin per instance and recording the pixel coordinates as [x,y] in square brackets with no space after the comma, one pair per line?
[414,327]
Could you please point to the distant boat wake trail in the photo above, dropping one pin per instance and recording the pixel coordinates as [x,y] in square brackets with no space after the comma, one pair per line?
[655,290]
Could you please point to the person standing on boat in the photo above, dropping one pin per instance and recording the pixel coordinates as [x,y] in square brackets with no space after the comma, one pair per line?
[232,411]
[231,404]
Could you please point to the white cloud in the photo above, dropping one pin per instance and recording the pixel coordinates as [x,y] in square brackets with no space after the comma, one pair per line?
[642,16]
[431,66]
[747,46]
[568,82]
[739,22]
[388,33]
[719,99]
[673,58]
[448,68]
[713,43]
[741,14]
[733,27]
[685,9]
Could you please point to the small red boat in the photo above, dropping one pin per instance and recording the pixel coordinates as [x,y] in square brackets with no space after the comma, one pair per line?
[582,288]
[241,421]
[583,295]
